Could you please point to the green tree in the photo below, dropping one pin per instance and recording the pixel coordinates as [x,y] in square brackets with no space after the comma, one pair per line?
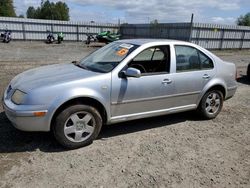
[7,8]
[154,22]
[244,20]
[50,11]
[62,11]
[31,12]
[47,10]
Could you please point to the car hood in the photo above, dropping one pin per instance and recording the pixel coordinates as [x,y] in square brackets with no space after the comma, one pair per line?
[50,75]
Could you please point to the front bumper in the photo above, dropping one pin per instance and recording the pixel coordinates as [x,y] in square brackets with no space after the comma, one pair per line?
[22,117]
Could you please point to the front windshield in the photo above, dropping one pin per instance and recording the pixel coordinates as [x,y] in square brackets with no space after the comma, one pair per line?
[108,57]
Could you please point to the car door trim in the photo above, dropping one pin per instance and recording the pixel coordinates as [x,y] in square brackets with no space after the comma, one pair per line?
[155,98]
[140,115]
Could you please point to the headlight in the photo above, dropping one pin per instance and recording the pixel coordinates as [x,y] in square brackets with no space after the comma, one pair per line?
[18,97]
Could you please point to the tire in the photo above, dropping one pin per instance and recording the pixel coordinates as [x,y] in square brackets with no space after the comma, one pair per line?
[211,104]
[77,126]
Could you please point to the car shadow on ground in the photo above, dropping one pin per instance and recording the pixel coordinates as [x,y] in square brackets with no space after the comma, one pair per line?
[95,45]
[146,124]
[13,140]
[244,80]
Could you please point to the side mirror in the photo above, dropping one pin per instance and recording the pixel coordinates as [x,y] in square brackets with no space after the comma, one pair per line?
[132,72]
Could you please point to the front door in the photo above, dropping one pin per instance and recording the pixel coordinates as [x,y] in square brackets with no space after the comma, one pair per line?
[148,94]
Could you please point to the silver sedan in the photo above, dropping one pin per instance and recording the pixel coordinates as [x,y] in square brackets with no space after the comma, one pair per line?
[124,80]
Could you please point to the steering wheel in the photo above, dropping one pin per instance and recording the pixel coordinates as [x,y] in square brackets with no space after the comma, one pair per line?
[139,67]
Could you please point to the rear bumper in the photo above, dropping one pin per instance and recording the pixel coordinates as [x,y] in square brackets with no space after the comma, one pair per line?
[230,92]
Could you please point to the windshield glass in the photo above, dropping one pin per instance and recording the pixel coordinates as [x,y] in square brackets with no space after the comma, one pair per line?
[108,57]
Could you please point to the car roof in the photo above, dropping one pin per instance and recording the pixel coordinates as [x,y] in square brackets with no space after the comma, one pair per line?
[146,41]
[141,42]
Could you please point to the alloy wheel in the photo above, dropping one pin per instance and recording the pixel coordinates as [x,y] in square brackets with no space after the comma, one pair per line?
[79,126]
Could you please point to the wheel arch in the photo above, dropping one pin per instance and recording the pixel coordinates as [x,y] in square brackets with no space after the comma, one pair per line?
[81,100]
[218,86]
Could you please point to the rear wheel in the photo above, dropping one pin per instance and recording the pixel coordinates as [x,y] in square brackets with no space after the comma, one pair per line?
[211,104]
[77,126]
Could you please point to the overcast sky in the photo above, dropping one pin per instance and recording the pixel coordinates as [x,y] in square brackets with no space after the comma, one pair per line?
[143,11]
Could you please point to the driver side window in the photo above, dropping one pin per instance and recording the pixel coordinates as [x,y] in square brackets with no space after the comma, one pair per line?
[153,60]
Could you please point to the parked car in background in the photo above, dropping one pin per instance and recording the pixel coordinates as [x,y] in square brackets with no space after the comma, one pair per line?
[248,71]
[124,80]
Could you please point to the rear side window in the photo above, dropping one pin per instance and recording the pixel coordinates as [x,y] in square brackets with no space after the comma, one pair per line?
[206,62]
[191,59]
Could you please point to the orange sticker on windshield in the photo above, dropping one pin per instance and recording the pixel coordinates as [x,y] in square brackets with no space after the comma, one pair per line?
[122,52]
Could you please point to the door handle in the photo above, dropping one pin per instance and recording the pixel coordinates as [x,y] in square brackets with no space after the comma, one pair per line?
[166,81]
[206,76]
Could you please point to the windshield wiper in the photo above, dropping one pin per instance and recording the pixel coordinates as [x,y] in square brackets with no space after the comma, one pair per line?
[77,63]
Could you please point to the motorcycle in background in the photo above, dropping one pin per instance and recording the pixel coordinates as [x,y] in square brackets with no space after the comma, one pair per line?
[107,37]
[90,38]
[6,36]
[50,37]
[60,37]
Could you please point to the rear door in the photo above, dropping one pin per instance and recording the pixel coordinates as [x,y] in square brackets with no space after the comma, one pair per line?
[194,69]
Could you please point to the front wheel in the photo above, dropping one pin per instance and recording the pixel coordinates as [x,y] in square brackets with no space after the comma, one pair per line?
[211,104]
[77,126]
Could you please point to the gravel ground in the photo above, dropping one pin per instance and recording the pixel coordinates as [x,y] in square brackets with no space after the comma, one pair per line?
[169,151]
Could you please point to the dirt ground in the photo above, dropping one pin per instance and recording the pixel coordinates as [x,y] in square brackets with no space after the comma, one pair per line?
[169,151]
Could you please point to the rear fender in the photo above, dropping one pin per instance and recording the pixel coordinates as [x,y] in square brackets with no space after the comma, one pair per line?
[212,83]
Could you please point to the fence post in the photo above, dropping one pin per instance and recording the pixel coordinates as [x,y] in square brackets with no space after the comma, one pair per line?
[242,39]
[24,32]
[198,36]
[52,28]
[222,39]
[134,31]
[77,33]
[168,32]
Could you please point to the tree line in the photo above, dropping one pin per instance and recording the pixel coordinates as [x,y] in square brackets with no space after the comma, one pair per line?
[7,8]
[244,20]
[60,11]
[47,10]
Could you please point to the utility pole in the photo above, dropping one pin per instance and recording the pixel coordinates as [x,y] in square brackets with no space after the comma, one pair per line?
[191,27]
[119,25]
[192,18]
[119,22]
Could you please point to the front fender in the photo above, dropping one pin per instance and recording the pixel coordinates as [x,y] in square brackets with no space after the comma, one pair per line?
[77,93]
